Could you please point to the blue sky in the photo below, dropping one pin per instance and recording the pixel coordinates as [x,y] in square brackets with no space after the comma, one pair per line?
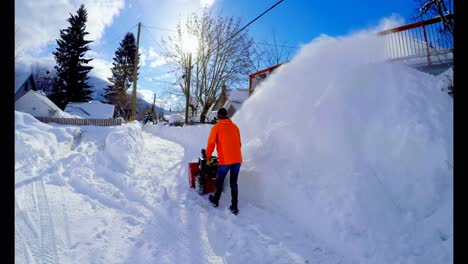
[293,22]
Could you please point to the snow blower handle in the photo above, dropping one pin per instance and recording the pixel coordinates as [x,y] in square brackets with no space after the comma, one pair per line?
[207,161]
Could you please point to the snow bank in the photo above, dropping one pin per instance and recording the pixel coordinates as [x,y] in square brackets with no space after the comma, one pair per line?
[124,146]
[38,144]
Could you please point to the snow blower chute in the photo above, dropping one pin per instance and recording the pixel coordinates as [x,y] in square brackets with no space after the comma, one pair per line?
[202,176]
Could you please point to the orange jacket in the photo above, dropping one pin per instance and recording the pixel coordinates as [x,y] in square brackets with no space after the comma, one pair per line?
[226,136]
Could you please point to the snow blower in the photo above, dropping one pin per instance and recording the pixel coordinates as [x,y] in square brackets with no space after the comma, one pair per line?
[202,176]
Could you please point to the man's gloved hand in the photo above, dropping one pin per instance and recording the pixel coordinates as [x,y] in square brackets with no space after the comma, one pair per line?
[208,162]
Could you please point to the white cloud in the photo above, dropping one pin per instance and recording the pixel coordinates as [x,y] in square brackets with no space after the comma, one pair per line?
[146,95]
[27,62]
[142,61]
[40,21]
[97,19]
[167,13]
[102,68]
[158,62]
[152,57]
[156,59]
[207,3]
[164,76]
[152,53]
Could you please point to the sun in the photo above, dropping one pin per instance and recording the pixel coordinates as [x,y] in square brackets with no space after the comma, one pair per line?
[189,43]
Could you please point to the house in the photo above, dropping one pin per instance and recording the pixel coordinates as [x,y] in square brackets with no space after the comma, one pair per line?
[235,100]
[257,77]
[21,88]
[91,109]
[37,104]
[231,100]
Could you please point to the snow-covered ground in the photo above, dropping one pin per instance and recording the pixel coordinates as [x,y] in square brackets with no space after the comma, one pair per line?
[346,160]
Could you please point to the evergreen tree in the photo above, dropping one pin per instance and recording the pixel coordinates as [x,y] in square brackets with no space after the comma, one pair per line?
[72,70]
[122,76]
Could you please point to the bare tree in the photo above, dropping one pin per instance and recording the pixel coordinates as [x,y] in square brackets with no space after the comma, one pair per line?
[270,54]
[432,8]
[222,56]
[18,41]
[44,79]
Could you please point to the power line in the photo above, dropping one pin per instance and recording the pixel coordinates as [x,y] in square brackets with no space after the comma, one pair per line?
[116,38]
[171,71]
[150,35]
[161,81]
[172,30]
[275,45]
[233,35]
[266,11]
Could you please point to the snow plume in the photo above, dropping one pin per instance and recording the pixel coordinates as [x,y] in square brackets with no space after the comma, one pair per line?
[353,150]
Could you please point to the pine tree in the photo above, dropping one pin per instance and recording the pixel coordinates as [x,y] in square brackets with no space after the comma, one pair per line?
[122,76]
[72,70]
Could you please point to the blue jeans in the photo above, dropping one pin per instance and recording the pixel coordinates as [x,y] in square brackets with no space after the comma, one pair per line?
[222,172]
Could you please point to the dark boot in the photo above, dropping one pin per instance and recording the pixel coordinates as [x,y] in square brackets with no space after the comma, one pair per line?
[233,207]
[214,199]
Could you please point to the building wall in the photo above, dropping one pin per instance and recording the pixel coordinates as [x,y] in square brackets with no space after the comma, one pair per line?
[256,78]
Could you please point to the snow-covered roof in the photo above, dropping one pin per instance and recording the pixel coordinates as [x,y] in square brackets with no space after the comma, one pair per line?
[174,118]
[236,98]
[239,95]
[40,95]
[91,109]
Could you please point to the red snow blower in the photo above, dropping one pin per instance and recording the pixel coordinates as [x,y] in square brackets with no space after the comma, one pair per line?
[202,176]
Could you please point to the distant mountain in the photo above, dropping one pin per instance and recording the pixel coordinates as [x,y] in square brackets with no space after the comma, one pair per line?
[98,85]
[142,105]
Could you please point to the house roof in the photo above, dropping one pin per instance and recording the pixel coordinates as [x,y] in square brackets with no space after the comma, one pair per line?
[235,97]
[22,87]
[44,99]
[92,109]
[239,95]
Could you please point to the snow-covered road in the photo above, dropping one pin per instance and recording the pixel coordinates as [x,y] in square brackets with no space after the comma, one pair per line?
[91,207]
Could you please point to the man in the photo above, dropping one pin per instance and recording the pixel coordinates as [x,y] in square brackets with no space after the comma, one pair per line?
[225,136]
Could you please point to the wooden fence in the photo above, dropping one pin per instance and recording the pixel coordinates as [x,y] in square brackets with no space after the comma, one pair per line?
[81,121]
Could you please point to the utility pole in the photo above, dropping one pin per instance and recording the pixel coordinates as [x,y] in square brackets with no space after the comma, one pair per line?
[153,110]
[188,77]
[135,74]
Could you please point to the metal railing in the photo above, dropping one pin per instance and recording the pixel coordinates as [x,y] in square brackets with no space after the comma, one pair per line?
[423,42]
